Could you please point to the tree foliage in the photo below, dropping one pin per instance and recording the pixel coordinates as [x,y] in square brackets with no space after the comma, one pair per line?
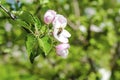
[95,43]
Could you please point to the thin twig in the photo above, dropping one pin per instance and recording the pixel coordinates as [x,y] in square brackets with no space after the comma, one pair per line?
[72,25]
[76,11]
[76,8]
[11,15]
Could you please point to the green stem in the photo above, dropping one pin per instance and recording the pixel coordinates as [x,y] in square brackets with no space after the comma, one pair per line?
[47,30]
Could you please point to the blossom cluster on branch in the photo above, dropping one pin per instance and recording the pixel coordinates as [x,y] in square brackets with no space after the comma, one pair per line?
[59,23]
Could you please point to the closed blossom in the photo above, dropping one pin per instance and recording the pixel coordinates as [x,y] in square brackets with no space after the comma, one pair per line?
[49,16]
[62,50]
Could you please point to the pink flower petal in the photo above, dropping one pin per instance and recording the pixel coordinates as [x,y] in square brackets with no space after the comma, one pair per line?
[62,50]
[63,53]
[49,16]
[63,46]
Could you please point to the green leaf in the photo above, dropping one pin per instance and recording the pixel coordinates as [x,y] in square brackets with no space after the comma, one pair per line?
[33,48]
[23,24]
[45,44]
[43,29]
[34,54]
[26,16]
[30,43]
[37,22]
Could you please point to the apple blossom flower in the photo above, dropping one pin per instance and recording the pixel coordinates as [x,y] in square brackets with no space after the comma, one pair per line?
[62,49]
[59,21]
[105,74]
[90,12]
[49,16]
[95,28]
[61,35]
[83,28]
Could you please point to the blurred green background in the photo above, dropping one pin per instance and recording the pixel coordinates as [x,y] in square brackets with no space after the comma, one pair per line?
[95,43]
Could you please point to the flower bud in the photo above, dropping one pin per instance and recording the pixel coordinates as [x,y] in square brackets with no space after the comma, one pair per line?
[62,50]
[49,16]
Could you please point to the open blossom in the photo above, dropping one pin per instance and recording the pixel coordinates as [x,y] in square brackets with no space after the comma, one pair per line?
[62,35]
[90,11]
[62,50]
[59,21]
[49,16]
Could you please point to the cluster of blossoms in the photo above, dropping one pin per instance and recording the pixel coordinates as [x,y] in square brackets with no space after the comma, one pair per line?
[59,23]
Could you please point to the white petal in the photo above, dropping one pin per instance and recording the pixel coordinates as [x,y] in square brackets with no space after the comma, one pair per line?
[65,33]
[59,21]
[60,37]
[63,39]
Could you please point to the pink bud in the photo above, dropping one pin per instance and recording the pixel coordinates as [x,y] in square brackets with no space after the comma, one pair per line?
[62,50]
[49,16]
[59,21]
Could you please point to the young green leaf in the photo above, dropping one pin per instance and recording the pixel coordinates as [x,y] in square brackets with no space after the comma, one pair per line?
[37,22]
[26,16]
[45,44]
[30,43]
[33,48]
[34,54]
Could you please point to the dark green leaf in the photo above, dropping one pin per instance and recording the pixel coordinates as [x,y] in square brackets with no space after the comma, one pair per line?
[34,54]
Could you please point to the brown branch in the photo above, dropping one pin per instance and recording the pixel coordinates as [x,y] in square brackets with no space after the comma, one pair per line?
[72,25]
[76,11]
[76,8]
